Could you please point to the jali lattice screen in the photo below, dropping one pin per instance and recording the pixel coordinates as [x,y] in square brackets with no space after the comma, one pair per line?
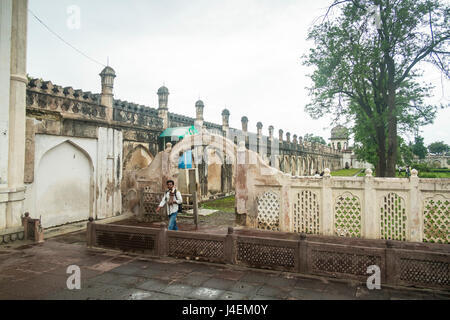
[307,212]
[436,220]
[393,217]
[347,216]
[269,211]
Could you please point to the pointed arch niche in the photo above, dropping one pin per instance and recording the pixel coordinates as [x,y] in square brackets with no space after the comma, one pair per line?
[64,185]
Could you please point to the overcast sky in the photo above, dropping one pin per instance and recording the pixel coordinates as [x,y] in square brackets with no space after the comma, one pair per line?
[243,55]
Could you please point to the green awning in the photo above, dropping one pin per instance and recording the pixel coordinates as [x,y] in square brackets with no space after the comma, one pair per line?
[179,132]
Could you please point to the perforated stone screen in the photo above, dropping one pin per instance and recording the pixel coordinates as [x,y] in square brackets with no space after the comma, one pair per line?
[393,217]
[126,241]
[436,220]
[150,201]
[436,273]
[307,212]
[347,216]
[269,211]
[341,262]
[196,248]
[255,254]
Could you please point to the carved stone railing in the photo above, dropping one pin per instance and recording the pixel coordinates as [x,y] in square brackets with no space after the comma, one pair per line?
[66,101]
[400,264]
[412,209]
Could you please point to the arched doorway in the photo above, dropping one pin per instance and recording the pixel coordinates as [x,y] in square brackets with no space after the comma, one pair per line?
[64,185]
[138,158]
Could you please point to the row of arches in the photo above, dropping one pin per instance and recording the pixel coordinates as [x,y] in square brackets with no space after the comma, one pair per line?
[306,165]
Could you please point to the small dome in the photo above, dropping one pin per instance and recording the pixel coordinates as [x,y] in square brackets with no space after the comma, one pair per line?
[339,132]
[225,112]
[163,90]
[259,125]
[200,103]
[244,119]
[108,71]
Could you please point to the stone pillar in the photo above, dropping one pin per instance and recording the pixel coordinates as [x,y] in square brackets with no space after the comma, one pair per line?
[13,20]
[199,106]
[5,78]
[225,122]
[415,218]
[241,185]
[370,219]
[327,205]
[107,97]
[163,109]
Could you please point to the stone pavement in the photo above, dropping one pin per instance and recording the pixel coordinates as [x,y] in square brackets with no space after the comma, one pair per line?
[39,272]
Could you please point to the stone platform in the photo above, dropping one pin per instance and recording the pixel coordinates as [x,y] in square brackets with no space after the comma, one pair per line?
[39,272]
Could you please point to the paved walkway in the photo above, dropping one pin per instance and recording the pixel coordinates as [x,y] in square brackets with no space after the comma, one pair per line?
[39,272]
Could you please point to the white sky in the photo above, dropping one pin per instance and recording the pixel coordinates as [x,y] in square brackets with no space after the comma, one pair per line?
[243,55]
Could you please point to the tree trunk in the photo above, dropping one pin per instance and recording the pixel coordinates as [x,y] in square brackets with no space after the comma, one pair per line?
[381,152]
[392,151]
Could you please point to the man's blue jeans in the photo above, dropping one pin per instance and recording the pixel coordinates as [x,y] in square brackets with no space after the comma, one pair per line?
[173,221]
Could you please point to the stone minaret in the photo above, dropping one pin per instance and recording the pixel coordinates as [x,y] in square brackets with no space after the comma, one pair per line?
[244,122]
[107,97]
[294,139]
[288,137]
[280,135]
[163,110]
[199,106]
[225,121]
[271,128]
[259,127]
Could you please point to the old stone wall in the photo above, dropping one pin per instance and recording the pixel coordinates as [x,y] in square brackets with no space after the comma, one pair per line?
[69,117]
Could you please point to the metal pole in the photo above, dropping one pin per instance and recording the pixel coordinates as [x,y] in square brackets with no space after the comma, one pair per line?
[195,209]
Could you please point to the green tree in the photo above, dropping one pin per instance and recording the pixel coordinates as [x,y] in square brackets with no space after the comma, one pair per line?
[406,154]
[439,147]
[368,72]
[418,147]
[312,138]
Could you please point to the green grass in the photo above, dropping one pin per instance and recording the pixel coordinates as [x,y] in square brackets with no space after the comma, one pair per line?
[224,205]
[345,172]
[434,174]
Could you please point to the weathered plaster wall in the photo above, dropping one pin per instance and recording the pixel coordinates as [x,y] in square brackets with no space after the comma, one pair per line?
[76,178]
[64,185]
[214,172]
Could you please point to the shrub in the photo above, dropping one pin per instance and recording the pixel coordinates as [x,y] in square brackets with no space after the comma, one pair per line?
[427,175]
[421,167]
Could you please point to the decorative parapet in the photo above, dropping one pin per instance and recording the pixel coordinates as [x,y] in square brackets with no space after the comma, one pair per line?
[46,96]
[135,114]
[210,125]
[177,120]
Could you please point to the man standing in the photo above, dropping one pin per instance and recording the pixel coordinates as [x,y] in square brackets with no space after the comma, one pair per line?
[173,198]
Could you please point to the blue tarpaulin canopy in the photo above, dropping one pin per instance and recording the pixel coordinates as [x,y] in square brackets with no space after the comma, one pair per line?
[185,161]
